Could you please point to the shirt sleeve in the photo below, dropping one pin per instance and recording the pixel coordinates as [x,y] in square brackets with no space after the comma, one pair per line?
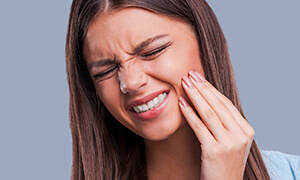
[282,166]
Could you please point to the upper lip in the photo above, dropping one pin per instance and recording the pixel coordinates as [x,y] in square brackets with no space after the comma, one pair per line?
[144,100]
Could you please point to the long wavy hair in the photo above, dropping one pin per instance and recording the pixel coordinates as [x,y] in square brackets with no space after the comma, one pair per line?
[104,149]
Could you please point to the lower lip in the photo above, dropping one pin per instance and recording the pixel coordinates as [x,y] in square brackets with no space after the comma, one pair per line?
[153,113]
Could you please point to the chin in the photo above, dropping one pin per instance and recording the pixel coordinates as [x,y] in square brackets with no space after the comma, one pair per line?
[163,131]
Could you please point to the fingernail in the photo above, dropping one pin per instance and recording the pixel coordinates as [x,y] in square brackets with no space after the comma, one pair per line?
[183,101]
[200,76]
[187,82]
[194,76]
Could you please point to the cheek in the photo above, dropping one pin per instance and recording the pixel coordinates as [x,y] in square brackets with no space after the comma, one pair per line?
[109,93]
[175,63]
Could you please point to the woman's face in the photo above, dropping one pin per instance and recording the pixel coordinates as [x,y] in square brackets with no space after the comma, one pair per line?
[136,59]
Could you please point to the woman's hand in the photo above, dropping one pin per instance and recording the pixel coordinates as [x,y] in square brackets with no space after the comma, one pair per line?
[225,136]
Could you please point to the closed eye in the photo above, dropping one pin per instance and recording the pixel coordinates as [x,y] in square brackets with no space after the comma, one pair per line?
[155,51]
[101,76]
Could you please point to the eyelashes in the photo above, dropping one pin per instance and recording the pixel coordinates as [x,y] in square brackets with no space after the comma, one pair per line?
[155,51]
[147,56]
[103,74]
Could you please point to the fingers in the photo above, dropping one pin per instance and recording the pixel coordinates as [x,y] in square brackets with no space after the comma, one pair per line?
[225,136]
[197,125]
[208,115]
[217,104]
[218,114]
[245,126]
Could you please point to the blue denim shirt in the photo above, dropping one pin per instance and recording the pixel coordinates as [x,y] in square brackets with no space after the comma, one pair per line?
[282,166]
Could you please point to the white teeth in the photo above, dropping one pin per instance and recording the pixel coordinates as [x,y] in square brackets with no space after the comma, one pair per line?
[155,100]
[145,107]
[161,97]
[151,104]
[136,109]
[140,108]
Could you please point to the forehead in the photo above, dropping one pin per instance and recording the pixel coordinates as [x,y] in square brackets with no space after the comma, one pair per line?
[128,21]
[123,29]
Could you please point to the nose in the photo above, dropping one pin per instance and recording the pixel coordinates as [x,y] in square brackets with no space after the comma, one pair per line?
[132,78]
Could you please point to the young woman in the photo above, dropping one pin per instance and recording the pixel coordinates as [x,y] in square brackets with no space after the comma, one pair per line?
[153,94]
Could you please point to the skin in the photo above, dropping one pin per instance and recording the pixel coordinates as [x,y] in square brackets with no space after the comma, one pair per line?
[174,149]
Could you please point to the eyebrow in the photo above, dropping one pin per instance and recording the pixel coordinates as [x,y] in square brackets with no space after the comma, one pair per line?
[145,43]
[102,62]
[140,47]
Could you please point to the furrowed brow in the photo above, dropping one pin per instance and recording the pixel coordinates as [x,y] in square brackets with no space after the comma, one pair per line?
[103,62]
[145,43]
[136,50]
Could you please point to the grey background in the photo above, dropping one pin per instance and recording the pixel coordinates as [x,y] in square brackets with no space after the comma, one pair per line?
[35,140]
[264,44]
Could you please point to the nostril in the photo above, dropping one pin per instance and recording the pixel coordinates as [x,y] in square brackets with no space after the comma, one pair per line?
[131,79]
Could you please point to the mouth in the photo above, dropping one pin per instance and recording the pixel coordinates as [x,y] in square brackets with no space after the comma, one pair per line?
[151,104]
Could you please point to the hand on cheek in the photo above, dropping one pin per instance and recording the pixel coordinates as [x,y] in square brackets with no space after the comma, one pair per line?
[225,136]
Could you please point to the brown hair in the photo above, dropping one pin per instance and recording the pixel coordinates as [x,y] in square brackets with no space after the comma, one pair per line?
[103,148]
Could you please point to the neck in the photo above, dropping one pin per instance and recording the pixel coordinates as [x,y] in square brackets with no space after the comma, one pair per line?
[177,157]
